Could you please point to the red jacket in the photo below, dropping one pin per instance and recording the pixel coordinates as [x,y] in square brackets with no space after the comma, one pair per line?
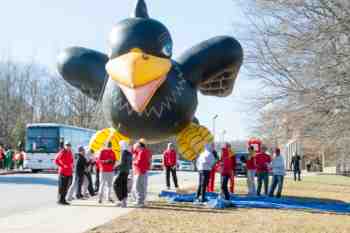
[262,161]
[2,154]
[106,160]
[141,161]
[251,164]
[64,161]
[169,158]
[228,162]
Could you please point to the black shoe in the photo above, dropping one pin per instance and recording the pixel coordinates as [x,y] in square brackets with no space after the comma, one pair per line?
[65,203]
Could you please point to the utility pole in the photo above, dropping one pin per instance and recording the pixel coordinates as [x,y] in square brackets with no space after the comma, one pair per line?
[223,136]
[214,118]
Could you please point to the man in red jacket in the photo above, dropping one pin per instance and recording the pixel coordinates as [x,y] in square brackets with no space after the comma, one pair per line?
[169,163]
[228,163]
[262,161]
[64,161]
[141,164]
[106,161]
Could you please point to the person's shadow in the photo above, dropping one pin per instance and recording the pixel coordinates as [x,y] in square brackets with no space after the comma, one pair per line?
[28,180]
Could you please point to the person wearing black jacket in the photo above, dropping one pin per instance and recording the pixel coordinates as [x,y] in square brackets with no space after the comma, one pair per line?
[120,184]
[81,166]
[296,165]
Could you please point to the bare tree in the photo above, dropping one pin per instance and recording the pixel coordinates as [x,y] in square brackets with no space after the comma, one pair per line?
[300,52]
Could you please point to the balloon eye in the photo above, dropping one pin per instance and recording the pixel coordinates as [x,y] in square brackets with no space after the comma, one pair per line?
[167,50]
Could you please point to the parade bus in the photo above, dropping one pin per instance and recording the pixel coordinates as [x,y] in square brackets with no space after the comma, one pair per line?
[44,140]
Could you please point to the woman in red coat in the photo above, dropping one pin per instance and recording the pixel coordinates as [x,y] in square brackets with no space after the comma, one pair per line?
[169,163]
[228,164]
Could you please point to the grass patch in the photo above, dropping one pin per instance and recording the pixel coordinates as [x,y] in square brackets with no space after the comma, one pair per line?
[161,217]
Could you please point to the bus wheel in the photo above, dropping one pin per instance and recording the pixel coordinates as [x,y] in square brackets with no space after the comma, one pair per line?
[36,170]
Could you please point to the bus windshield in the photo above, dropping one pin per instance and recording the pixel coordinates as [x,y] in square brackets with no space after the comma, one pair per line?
[42,140]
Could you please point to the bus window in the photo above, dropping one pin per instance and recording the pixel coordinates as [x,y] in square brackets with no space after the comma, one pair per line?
[67,135]
[42,140]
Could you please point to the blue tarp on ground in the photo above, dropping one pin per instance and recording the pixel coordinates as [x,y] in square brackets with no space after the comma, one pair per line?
[215,201]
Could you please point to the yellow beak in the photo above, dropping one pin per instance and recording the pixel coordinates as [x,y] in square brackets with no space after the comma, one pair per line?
[139,75]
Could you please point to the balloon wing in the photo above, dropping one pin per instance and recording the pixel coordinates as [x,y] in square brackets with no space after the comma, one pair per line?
[84,69]
[213,65]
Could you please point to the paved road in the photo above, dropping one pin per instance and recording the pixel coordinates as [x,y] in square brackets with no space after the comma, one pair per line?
[26,192]
[28,205]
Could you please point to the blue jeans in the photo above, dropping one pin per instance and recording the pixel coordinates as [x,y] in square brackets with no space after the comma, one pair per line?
[263,177]
[202,186]
[277,181]
[297,172]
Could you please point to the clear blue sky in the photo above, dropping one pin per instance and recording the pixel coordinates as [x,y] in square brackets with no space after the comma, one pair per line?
[39,29]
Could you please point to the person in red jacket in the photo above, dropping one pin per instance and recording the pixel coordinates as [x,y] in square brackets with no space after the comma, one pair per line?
[169,163]
[251,171]
[106,161]
[64,161]
[262,161]
[2,157]
[228,164]
[141,164]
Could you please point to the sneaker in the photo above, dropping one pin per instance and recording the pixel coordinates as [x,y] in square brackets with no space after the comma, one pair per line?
[99,201]
[111,200]
[197,202]
[119,204]
[124,204]
[139,205]
[64,203]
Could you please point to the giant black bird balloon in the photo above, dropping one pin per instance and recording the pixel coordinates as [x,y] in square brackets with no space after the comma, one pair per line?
[145,93]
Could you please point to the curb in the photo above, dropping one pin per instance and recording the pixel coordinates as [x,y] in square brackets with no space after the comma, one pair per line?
[13,172]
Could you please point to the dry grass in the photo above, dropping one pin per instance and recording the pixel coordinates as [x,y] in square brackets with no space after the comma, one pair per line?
[161,217]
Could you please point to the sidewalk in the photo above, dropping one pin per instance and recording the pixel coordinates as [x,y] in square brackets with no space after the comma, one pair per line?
[81,215]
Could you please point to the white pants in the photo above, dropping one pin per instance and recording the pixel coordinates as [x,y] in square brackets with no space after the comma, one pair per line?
[130,181]
[106,179]
[85,186]
[251,182]
[140,188]
[73,188]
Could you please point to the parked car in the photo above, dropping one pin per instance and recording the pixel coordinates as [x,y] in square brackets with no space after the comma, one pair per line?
[185,166]
[241,157]
[157,163]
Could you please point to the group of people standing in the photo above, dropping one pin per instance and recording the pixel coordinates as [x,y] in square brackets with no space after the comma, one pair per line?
[259,166]
[11,159]
[131,171]
[208,162]
[130,174]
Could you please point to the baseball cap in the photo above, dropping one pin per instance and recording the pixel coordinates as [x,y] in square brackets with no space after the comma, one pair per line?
[68,144]
[81,148]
